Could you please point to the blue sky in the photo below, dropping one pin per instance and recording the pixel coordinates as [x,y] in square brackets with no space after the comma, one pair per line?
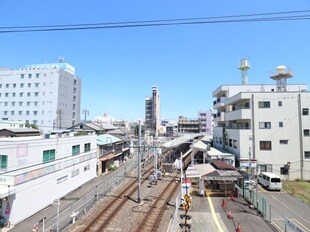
[119,66]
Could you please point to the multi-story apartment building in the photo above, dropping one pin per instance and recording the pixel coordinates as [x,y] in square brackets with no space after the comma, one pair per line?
[186,125]
[265,126]
[35,171]
[47,95]
[206,122]
[152,112]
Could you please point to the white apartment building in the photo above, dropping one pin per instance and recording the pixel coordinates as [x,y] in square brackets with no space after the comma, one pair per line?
[47,95]
[270,128]
[206,122]
[34,171]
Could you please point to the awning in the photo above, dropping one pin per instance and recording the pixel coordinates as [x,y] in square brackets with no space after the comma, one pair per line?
[6,190]
[199,170]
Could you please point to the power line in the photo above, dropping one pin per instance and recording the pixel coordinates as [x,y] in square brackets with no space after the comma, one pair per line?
[156,20]
[158,23]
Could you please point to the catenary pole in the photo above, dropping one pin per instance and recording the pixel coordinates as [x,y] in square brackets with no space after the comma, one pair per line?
[139,163]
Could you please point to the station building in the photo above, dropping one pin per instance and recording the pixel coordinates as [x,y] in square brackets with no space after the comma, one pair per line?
[36,171]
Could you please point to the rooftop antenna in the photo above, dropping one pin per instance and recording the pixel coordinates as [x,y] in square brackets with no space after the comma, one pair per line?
[280,76]
[61,59]
[244,67]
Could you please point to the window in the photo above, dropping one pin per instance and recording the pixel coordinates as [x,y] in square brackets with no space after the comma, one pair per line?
[284,170]
[35,103]
[13,103]
[13,94]
[305,111]
[29,85]
[21,85]
[20,103]
[86,147]
[12,112]
[280,124]
[14,85]
[264,104]
[75,172]
[7,85]
[36,94]
[235,143]
[5,112]
[35,112]
[3,162]
[37,75]
[6,103]
[20,112]
[264,125]
[27,112]
[48,155]
[28,94]
[29,75]
[6,94]
[76,150]
[279,103]
[306,132]
[265,145]
[307,154]
[283,141]
[36,84]
[22,76]
[21,94]
[28,103]
[0,85]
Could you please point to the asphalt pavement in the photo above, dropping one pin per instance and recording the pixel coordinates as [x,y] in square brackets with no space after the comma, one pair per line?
[208,214]
[284,205]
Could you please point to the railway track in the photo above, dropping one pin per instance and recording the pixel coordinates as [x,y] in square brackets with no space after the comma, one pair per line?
[103,219]
[152,218]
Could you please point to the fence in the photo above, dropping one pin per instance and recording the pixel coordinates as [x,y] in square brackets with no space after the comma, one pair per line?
[265,209]
[63,221]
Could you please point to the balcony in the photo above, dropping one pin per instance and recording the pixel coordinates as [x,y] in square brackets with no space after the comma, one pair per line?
[219,102]
[238,114]
[219,117]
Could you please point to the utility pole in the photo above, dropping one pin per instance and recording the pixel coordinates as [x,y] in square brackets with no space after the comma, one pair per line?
[85,112]
[139,162]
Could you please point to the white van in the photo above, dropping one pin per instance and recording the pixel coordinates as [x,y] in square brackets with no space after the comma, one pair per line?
[270,181]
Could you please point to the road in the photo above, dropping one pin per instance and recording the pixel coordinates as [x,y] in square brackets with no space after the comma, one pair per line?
[283,205]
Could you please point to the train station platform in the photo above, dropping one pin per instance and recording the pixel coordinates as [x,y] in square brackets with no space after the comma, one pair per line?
[208,214]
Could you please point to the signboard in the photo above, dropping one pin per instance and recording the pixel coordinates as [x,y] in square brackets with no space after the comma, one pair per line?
[292,225]
[245,163]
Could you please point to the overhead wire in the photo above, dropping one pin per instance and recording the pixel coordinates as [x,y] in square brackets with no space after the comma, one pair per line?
[161,22]
[156,20]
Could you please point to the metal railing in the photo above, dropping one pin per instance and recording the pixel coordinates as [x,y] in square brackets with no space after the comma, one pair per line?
[63,221]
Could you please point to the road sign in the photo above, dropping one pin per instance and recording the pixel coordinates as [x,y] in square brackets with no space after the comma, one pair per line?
[292,225]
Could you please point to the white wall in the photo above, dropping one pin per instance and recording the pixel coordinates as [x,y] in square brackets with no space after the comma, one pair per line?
[37,185]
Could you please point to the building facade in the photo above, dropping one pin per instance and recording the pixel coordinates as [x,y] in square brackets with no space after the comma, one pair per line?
[47,95]
[206,121]
[152,112]
[186,125]
[35,171]
[266,129]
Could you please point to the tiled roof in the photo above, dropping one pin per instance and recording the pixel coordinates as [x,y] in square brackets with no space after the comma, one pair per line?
[222,165]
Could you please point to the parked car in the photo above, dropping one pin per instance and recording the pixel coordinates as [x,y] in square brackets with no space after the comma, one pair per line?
[270,181]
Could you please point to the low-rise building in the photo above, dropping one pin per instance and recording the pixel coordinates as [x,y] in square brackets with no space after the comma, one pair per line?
[36,171]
